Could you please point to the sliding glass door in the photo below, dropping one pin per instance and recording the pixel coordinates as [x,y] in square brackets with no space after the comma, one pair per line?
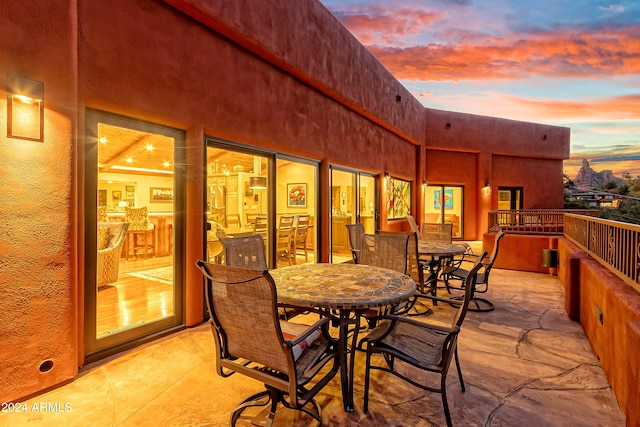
[444,204]
[354,199]
[249,191]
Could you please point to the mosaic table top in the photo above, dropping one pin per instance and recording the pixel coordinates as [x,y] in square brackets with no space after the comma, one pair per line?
[341,286]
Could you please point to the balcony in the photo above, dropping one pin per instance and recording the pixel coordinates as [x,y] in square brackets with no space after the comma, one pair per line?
[524,363]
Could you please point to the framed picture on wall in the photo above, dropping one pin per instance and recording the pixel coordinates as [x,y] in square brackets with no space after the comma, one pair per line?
[297,195]
[398,198]
[160,195]
[116,195]
[448,199]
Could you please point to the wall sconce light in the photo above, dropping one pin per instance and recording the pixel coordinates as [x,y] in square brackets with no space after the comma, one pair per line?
[398,99]
[544,137]
[25,108]
[258,182]
[448,125]
[487,188]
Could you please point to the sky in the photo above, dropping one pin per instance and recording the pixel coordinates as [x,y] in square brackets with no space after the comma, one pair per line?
[570,63]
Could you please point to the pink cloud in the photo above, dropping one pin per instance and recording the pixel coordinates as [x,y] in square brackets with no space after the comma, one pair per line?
[588,53]
[373,24]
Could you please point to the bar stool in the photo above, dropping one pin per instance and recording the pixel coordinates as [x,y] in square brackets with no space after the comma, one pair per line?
[140,229]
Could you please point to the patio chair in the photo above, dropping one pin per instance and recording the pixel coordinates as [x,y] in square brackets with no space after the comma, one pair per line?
[245,252]
[481,285]
[356,236]
[413,224]
[248,252]
[426,346]
[414,268]
[437,232]
[396,251]
[251,340]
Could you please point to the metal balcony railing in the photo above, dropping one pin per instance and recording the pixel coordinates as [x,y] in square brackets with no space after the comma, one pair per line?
[616,245]
[532,221]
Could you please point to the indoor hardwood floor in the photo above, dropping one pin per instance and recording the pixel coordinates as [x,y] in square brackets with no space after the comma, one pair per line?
[132,300]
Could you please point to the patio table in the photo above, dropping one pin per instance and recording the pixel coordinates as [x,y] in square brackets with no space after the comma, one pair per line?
[349,289]
[437,252]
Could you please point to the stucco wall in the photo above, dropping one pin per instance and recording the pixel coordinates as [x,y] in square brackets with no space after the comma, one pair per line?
[38,292]
[538,177]
[614,336]
[457,168]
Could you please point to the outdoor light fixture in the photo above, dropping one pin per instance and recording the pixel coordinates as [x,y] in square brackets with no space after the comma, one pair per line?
[487,188]
[25,108]
[258,182]
[544,137]
[398,99]
[448,125]
[387,174]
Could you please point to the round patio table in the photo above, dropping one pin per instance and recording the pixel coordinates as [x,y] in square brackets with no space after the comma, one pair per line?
[349,289]
[438,252]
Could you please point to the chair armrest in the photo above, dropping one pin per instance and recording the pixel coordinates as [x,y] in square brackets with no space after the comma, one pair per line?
[386,325]
[310,329]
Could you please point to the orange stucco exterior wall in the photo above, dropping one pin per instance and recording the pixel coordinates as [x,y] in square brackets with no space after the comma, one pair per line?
[241,71]
[615,340]
[38,274]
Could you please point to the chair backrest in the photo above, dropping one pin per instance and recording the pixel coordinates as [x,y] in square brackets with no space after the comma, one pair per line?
[413,268]
[285,231]
[413,224]
[437,232]
[356,236]
[496,247]
[102,214]
[138,218]
[243,310]
[234,219]
[302,227]
[218,214]
[469,285]
[245,252]
[386,250]
[260,225]
[488,264]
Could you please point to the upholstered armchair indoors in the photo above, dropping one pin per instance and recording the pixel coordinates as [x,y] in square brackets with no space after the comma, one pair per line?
[111,236]
[294,361]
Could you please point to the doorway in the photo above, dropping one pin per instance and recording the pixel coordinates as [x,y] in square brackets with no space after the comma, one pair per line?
[134,200]
[444,204]
[510,198]
[249,191]
[354,199]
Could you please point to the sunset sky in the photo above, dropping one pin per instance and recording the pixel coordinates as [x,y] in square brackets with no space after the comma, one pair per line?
[572,63]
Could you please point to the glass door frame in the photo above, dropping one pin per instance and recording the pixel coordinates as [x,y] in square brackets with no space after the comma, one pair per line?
[442,213]
[95,348]
[358,174]
[272,157]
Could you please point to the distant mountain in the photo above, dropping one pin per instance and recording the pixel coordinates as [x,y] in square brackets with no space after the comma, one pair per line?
[587,178]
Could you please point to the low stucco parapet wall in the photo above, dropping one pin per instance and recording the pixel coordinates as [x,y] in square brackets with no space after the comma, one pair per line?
[610,317]
[521,252]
